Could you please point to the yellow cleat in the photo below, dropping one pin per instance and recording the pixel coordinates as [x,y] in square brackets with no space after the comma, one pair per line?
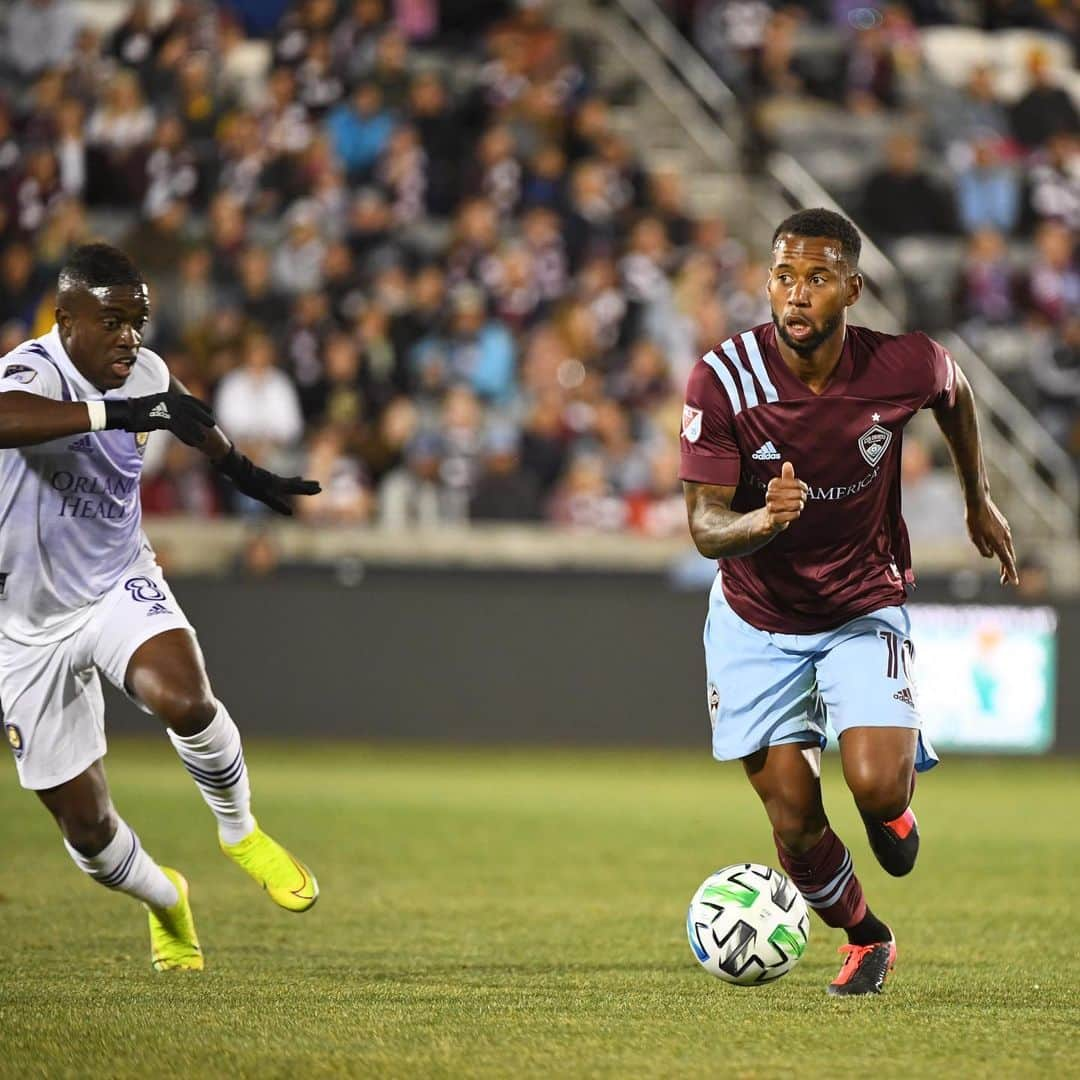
[174,945]
[289,882]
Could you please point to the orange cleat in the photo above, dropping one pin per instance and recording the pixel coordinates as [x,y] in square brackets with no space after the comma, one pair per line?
[864,968]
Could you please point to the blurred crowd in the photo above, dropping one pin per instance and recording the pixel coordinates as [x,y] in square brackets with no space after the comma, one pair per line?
[420,267]
[965,155]
[402,247]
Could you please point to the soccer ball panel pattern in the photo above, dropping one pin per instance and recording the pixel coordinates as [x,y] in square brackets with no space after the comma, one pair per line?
[747,924]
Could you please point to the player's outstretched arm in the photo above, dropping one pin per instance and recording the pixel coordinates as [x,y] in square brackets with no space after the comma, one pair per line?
[721,533]
[29,419]
[253,481]
[987,527]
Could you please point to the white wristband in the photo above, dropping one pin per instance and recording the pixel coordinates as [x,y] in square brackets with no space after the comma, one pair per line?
[98,419]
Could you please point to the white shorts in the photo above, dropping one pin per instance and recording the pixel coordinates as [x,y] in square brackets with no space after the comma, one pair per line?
[54,712]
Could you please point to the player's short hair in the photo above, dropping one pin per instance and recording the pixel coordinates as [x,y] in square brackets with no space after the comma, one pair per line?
[827,223]
[93,265]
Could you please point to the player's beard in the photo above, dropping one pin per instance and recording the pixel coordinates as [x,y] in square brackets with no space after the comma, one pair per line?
[807,346]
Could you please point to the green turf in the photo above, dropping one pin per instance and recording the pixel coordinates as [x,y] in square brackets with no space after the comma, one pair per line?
[521,914]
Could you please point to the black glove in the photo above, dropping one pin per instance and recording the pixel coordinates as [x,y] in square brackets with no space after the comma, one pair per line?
[185,416]
[262,484]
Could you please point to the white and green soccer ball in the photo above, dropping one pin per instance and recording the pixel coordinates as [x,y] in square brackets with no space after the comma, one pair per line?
[747,924]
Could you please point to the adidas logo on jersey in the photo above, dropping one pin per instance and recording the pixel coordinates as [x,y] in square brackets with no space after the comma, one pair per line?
[904,696]
[160,411]
[766,452]
[85,445]
[158,609]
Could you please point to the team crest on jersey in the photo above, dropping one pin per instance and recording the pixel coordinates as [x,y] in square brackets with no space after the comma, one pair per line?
[144,590]
[873,443]
[20,373]
[14,738]
[691,423]
[141,439]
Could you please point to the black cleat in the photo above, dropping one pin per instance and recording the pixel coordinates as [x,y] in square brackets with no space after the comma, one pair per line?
[895,844]
[864,968]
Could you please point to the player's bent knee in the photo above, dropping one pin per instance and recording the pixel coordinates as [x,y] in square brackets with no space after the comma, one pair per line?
[186,714]
[880,794]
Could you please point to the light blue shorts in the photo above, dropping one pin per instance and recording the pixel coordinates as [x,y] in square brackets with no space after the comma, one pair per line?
[765,689]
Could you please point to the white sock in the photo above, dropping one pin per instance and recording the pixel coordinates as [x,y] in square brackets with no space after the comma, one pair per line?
[123,865]
[215,759]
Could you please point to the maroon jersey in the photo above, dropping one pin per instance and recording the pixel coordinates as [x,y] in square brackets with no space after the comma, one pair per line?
[746,413]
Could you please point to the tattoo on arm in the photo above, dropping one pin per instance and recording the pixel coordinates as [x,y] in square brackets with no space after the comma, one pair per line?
[718,531]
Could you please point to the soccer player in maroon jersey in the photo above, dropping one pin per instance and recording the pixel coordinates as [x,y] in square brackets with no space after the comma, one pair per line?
[790,443]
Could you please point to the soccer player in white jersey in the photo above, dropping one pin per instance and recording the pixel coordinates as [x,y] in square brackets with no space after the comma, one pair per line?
[81,594]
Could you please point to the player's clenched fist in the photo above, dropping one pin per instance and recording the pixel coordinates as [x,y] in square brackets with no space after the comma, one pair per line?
[785,498]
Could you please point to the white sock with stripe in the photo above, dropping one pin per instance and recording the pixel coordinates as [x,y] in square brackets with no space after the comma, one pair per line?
[215,759]
[124,866]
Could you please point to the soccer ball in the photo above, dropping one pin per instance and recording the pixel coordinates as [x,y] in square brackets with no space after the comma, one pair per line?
[747,924]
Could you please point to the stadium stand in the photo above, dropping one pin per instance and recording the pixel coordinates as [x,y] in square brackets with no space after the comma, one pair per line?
[418,251]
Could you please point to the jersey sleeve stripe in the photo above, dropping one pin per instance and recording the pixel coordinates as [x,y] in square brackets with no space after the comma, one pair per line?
[757,362]
[726,381]
[748,388]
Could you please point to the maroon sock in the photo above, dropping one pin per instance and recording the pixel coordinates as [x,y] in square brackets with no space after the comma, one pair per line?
[826,878]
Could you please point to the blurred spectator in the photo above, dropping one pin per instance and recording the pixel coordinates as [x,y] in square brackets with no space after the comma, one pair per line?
[132,42]
[988,190]
[40,34]
[971,112]
[933,509]
[901,198]
[1054,181]
[157,243]
[260,301]
[21,286]
[475,350]
[360,129]
[355,38]
[118,129]
[172,168]
[344,499]
[1046,108]
[70,147]
[503,492]
[180,485]
[413,495]
[257,404]
[986,286]
[584,500]
[1052,283]
[872,77]
[1055,371]
[298,262]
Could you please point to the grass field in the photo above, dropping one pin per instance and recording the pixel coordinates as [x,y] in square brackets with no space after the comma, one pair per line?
[521,914]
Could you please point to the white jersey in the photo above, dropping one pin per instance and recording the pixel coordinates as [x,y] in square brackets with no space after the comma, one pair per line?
[70,515]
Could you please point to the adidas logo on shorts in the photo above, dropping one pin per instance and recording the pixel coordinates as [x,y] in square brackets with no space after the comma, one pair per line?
[904,696]
[158,609]
[766,452]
